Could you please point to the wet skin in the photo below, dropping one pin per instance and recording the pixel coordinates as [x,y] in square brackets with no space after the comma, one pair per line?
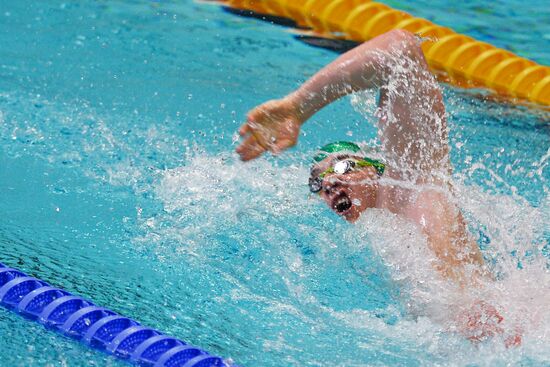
[431,209]
[351,193]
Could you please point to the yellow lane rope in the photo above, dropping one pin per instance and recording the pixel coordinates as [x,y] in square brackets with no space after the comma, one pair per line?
[463,60]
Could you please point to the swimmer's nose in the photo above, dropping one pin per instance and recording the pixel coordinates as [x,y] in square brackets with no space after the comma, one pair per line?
[330,182]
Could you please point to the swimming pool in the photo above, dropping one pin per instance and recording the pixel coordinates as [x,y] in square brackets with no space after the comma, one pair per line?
[118,182]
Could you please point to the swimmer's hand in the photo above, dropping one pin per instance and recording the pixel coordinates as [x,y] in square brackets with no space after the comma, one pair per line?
[273,126]
[482,321]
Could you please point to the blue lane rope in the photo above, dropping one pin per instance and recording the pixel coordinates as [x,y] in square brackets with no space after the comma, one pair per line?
[97,326]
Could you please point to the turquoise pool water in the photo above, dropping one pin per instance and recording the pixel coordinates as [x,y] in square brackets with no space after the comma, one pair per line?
[119,183]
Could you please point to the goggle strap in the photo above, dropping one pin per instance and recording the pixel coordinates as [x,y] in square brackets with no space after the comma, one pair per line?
[326,172]
[365,162]
[378,166]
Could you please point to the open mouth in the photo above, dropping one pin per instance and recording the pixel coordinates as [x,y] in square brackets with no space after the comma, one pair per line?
[341,203]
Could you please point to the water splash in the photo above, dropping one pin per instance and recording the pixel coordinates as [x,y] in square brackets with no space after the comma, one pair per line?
[253,231]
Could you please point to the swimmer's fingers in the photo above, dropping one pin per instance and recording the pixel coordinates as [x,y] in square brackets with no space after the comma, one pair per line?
[245,129]
[243,145]
[250,149]
[254,115]
[280,145]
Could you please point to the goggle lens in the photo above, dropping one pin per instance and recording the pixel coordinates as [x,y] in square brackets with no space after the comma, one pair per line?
[315,184]
[342,167]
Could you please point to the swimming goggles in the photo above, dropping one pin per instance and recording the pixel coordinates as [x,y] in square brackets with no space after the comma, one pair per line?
[342,167]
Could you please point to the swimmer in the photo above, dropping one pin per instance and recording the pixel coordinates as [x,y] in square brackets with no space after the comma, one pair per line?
[414,179]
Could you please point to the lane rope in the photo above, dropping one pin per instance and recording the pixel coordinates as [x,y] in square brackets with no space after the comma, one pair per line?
[96,326]
[462,60]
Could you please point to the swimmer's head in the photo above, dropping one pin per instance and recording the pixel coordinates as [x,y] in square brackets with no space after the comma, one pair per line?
[345,179]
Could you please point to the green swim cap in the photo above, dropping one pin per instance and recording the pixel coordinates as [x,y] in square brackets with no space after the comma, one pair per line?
[351,148]
[336,147]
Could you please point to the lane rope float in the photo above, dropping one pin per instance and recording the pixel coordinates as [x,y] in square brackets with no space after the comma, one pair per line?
[96,326]
[464,61]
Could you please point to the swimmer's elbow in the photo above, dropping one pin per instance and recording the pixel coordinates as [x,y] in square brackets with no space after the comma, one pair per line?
[405,41]
[392,42]
[402,35]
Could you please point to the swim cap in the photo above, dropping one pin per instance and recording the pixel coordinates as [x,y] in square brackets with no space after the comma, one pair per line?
[350,148]
[336,147]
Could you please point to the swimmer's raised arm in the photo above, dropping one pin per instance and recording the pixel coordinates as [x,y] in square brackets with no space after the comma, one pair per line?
[275,125]
[366,66]
[393,62]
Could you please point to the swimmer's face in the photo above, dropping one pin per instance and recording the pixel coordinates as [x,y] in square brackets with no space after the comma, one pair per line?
[347,194]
